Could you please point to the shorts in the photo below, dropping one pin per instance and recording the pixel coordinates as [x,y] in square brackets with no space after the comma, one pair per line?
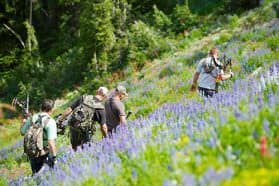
[206,92]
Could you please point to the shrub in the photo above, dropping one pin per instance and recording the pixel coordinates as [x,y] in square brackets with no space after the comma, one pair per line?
[254,35]
[167,71]
[196,34]
[238,6]
[273,42]
[145,44]
[183,19]
[233,21]
[161,20]
[225,37]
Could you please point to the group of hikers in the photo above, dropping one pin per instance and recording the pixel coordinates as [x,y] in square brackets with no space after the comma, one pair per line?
[107,109]
[40,130]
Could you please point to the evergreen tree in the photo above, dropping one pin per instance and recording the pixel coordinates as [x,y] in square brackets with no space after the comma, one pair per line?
[97,32]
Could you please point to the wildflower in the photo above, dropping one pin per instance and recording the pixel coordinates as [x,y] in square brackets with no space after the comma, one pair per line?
[263,146]
[266,126]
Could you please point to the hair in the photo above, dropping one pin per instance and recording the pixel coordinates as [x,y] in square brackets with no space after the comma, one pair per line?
[47,105]
[103,91]
[213,51]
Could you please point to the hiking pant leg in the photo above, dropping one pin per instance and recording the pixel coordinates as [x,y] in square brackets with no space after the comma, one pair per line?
[78,138]
[74,138]
[37,163]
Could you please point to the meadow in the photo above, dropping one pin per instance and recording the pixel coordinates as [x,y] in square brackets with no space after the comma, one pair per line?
[176,137]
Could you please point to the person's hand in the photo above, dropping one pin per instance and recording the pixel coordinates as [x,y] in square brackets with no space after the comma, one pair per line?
[193,87]
[60,119]
[52,161]
[104,130]
[231,74]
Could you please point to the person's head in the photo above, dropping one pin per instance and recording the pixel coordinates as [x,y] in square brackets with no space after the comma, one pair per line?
[47,105]
[214,52]
[121,92]
[102,92]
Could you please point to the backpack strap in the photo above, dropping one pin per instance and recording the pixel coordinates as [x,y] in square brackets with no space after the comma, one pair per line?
[40,120]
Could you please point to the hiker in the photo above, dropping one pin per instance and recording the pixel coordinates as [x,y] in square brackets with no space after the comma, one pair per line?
[115,110]
[40,133]
[85,111]
[209,72]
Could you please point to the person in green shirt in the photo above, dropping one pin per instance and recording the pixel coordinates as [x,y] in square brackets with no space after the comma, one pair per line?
[49,136]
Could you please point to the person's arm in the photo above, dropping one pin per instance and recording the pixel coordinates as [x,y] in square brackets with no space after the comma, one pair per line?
[227,76]
[122,114]
[51,136]
[65,113]
[70,109]
[123,120]
[101,118]
[195,80]
[52,147]
[25,126]
[197,75]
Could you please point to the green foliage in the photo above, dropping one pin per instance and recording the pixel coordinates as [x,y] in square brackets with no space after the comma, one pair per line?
[229,6]
[183,19]
[233,21]
[31,42]
[203,7]
[196,34]
[255,35]
[3,180]
[97,32]
[225,37]
[144,43]
[161,20]
[75,42]
[273,42]
[169,70]
[143,7]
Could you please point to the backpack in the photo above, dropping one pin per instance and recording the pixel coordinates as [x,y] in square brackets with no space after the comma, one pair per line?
[81,118]
[210,66]
[33,139]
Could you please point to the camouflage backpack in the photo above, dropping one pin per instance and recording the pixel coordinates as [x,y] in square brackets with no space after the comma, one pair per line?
[33,139]
[82,115]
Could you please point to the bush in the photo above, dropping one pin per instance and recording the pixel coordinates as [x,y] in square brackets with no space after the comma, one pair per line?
[238,6]
[145,44]
[183,19]
[196,34]
[233,21]
[225,37]
[167,71]
[161,20]
[273,42]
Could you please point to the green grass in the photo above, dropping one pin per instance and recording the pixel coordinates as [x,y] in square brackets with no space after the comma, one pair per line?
[9,133]
[168,80]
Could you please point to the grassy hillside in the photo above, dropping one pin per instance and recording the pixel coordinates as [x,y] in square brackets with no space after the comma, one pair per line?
[177,138]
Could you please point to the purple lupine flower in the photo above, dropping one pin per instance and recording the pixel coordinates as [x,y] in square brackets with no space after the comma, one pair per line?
[266,126]
[188,180]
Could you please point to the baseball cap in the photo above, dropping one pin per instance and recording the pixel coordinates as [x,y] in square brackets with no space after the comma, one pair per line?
[121,89]
[102,91]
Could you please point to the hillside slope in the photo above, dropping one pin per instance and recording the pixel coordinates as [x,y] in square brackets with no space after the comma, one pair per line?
[179,138]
